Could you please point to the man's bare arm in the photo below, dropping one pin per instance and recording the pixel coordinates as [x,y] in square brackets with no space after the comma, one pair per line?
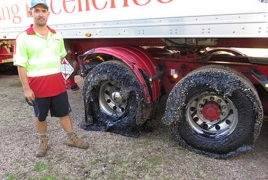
[28,93]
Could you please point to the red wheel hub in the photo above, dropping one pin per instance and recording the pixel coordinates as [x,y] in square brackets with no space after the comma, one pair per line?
[211,111]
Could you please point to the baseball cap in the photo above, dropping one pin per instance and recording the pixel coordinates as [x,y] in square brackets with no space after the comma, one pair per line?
[36,2]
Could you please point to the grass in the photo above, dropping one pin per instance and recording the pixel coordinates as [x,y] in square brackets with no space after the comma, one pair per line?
[199,174]
[16,84]
[11,176]
[156,159]
[60,159]
[92,161]
[40,166]
[49,177]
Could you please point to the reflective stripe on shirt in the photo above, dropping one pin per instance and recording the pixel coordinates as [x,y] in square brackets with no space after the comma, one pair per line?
[43,72]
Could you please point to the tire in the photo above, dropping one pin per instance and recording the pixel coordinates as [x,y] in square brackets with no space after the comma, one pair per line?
[215,111]
[92,64]
[113,99]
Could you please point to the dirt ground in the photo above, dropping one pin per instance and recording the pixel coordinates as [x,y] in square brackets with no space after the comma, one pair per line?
[154,155]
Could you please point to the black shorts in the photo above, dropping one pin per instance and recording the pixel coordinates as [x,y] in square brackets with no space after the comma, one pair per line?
[57,105]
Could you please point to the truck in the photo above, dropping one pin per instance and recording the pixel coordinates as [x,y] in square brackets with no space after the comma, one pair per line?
[133,52]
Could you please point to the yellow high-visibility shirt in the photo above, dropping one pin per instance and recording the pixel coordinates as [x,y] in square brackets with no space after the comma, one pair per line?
[38,55]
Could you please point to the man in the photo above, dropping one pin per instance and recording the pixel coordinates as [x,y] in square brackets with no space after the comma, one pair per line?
[38,54]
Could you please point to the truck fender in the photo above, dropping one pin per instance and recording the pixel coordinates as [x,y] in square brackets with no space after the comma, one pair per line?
[140,61]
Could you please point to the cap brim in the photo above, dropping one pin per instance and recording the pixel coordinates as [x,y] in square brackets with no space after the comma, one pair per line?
[40,4]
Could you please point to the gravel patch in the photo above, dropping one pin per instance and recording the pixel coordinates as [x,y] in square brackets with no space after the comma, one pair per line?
[153,155]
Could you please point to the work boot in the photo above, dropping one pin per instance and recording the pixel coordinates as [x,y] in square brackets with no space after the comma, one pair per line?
[42,148]
[75,141]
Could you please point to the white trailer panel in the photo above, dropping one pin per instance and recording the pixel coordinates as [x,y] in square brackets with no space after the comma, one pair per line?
[143,18]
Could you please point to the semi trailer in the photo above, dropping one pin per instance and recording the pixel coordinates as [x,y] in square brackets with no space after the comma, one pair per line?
[132,52]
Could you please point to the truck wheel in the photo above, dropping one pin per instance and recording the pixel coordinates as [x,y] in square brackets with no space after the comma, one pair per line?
[113,99]
[215,111]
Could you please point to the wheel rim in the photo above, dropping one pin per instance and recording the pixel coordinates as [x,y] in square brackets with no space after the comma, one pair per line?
[111,100]
[211,115]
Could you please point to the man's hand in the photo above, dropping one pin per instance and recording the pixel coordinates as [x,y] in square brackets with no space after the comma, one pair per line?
[29,94]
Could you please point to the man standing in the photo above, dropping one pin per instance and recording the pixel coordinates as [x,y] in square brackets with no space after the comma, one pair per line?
[38,54]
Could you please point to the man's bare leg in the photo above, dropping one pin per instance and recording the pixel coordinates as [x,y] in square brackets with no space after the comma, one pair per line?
[66,123]
[41,126]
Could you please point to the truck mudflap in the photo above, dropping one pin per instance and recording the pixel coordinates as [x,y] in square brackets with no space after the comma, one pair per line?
[214,111]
